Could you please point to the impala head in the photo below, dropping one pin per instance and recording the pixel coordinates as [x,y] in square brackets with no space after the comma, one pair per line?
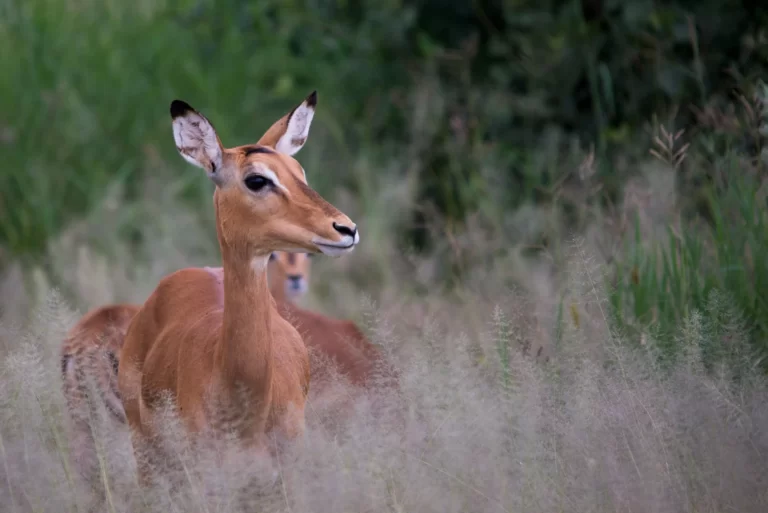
[291,272]
[263,202]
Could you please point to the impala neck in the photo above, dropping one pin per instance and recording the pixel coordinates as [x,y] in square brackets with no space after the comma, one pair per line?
[247,325]
[244,354]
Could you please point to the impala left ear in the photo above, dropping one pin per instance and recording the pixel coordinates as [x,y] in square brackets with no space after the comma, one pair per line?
[289,133]
[196,139]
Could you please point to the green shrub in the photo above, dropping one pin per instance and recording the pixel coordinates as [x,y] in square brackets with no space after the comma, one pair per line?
[84,100]
[724,251]
[86,83]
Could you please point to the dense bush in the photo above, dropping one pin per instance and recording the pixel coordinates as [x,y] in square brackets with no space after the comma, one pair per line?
[722,252]
[486,107]
[95,78]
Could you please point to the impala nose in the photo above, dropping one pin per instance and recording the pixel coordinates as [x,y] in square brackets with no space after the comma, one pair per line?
[295,281]
[345,230]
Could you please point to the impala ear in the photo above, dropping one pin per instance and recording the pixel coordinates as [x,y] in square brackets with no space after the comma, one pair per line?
[196,138]
[289,133]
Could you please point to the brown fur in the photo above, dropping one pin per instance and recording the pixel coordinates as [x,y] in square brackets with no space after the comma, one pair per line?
[89,357]
[216,334]
[92,349]
[337,348]
[339,340]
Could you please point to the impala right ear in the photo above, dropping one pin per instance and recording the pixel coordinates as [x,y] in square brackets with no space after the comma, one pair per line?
[289,133]
[196,138]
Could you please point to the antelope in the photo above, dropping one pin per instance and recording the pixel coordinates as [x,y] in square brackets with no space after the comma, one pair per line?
[334,341]
[89,362]
[289,275]
[91,351]
[339,340]
[215,333]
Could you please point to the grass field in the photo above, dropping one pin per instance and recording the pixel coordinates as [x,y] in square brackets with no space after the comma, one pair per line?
[561,348]
[590,423]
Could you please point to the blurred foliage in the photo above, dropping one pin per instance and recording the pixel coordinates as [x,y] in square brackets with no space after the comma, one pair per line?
[591,69]
[484,105]
[86,84]
[84,98]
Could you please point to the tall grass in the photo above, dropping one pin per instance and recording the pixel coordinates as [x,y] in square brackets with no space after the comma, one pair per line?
[527,385]
[483,420]
[662,279]
[665,284]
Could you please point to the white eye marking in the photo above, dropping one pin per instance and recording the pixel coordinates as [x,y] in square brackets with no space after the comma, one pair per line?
[272,176]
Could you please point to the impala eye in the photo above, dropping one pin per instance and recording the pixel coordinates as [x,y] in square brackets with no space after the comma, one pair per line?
[257,182]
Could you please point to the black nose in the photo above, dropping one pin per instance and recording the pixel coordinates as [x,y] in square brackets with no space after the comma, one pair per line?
[345,230]
[294,277]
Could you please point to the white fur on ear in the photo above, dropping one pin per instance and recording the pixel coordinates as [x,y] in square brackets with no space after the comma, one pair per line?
[195,137]
[297,131]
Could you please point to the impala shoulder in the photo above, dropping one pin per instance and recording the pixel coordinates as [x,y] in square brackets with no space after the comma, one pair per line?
[192,290]
[94,318]
[185,282]
[96,324]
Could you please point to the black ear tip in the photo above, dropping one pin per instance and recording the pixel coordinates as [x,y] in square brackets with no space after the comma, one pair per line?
[179,108]
[311,99]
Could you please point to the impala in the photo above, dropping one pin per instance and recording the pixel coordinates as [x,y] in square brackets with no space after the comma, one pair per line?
[91,351]
[289,275]
[207,334]
[89,362]
[339,340]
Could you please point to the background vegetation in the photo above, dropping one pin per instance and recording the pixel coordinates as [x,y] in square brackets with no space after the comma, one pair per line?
[586,176]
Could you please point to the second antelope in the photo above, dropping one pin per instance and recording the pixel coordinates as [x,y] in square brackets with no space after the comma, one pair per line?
[216,333]
[340,341]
